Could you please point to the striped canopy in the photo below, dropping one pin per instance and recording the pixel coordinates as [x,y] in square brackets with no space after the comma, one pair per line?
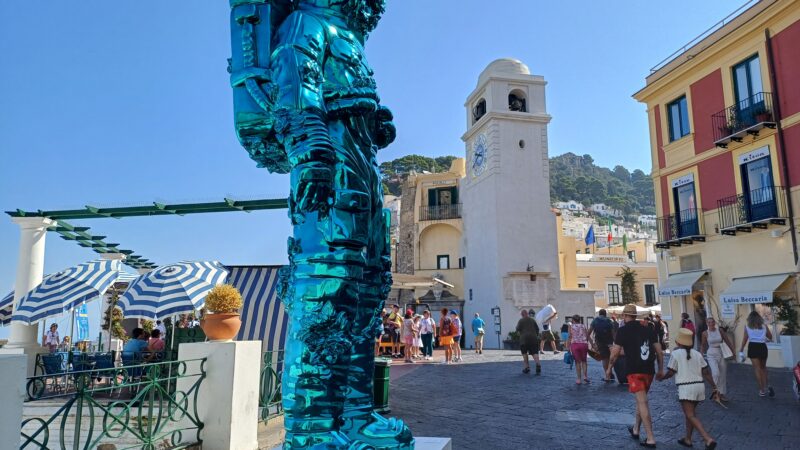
[65,290]
[6,308]
[174,289]
[263,316]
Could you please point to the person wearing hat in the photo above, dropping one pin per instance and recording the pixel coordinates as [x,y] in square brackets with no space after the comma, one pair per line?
[394,323]
[457,329]
[690,369]
[642,351]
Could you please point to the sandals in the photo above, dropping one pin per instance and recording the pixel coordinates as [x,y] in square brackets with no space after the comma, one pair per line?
[682,441]
[526,370]
[647,444]
[586,381]
[633,436]
[711,446]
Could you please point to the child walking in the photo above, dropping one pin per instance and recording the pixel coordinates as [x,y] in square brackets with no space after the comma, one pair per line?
[690,369]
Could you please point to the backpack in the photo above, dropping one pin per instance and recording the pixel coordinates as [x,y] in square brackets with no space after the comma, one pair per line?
[603,329]
[447,327]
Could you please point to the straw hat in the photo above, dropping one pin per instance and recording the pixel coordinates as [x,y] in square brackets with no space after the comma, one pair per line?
[630,310]
[685,337]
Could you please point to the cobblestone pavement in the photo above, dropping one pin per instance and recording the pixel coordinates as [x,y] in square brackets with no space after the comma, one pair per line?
[486,402]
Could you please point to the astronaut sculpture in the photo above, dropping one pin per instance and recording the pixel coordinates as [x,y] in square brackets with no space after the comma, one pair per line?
[305,103]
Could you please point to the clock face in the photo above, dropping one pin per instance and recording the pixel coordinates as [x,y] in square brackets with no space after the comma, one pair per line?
[479,155]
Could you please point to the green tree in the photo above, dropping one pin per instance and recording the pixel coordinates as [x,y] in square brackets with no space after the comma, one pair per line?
[630,295]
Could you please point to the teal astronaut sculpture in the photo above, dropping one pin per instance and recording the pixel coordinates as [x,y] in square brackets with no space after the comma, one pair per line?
[305,103]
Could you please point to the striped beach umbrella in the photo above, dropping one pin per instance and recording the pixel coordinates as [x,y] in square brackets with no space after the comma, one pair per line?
[65,290]
[6,308]
[174,289]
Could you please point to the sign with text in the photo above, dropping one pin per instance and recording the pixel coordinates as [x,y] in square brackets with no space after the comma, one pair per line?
[749,298]
[754,155]
[682,181]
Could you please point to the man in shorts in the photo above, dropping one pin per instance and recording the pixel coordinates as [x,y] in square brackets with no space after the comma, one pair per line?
[528,331]
[603,330]
[642,350]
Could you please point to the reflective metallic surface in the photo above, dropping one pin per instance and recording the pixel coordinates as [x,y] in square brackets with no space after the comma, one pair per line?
[305,103]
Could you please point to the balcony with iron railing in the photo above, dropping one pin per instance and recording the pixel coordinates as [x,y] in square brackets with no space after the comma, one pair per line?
[682,228]
[758,208]
[746,118]
[440,212]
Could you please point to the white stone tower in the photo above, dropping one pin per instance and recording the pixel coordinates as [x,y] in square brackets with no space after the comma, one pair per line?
[510,239]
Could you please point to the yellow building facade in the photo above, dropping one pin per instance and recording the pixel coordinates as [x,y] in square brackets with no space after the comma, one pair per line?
[724,119]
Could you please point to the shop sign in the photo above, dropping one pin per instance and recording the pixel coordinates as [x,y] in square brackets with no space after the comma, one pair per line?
[728,311]
[754,155]
[684,180]
[747,299]
[674,291]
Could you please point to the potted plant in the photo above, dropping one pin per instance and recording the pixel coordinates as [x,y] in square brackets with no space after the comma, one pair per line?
[790,341]
[221,321]
[512,341]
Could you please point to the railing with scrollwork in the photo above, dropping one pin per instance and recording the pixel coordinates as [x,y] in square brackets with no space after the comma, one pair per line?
[440,212]
[761,204]
[269,399]
[684,224]
[746,114]
[147,406]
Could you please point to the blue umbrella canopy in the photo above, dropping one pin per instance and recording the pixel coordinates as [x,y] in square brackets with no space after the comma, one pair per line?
[6,307]
[65,290]
[174,289]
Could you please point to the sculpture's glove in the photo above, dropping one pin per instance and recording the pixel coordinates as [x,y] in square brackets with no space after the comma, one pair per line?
[385,131]
[312,157]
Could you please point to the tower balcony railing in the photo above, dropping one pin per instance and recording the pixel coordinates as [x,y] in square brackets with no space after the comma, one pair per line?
[440,212]
[758,208]
[746,118]
[682,228]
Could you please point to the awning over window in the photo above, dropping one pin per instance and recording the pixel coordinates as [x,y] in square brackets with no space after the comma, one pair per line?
[680,283]
[760,289]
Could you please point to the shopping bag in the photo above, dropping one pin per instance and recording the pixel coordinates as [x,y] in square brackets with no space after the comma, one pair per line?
[727,353]
[568,359]
[595,354]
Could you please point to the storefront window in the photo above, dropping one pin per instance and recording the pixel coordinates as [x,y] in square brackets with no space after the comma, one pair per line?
[770,314]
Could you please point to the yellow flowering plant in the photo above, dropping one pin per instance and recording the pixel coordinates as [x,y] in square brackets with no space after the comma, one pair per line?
[224,298]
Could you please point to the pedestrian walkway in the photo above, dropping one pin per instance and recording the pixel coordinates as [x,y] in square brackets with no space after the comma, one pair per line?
[486,402]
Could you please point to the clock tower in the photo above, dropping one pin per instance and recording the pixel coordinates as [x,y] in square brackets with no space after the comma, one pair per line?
[510,236]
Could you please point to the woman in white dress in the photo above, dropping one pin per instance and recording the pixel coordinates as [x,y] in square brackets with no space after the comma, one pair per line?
[690,369]
[713,338]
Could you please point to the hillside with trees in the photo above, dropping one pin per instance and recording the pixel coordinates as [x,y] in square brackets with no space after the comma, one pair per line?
[572,177]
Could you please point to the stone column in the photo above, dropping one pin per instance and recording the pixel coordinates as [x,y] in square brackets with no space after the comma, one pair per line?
[227,402]
[12,396]
[30,271]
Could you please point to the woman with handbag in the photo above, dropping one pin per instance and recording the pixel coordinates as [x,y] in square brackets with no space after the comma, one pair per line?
[578,344]
[717,347]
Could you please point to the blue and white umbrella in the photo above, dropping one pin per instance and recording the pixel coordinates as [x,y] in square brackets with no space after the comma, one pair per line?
[174,289]
[63,291]
[6,308]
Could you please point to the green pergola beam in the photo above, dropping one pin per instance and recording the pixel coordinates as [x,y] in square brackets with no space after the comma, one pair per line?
[79,234]
[157,209]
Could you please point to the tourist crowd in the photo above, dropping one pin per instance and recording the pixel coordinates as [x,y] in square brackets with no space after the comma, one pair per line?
[632,350]
[413,336]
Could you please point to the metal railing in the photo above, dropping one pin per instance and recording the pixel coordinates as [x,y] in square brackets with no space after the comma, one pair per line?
[269,397]
[440,212]
[748,115]
[685,224]
[152,408]
[755,206]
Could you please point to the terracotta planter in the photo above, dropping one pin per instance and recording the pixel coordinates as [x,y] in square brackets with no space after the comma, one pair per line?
[221,327]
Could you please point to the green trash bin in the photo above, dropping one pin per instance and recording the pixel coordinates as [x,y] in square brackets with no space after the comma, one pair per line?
[381,385]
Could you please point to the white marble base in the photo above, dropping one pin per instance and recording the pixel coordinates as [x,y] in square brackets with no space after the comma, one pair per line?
[423,443]
[433,443]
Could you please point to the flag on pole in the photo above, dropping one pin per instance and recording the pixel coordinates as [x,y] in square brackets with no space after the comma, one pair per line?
[610,234]
[82,322]
[589,239]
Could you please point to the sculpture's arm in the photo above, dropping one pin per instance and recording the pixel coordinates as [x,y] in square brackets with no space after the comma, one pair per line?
[297,72]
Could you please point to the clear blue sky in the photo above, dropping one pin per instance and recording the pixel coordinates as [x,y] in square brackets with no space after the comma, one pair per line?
[112,103]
